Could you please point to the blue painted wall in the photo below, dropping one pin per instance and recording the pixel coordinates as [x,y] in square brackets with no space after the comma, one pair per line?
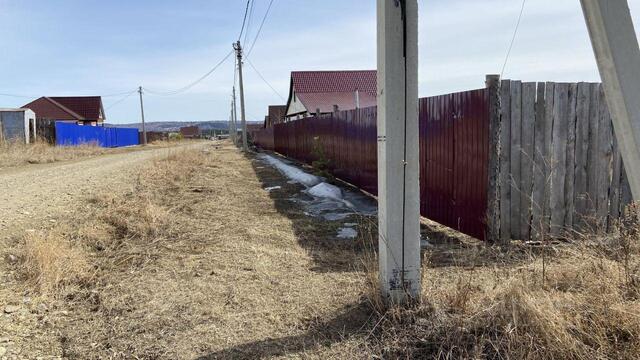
[74,135]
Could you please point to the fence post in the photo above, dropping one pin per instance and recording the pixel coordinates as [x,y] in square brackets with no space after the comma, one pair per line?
[492,233]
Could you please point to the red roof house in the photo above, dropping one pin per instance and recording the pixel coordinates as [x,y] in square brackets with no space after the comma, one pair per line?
[82,110]
[313,90]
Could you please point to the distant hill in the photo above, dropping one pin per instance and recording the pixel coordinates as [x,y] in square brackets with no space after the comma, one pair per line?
[174,126]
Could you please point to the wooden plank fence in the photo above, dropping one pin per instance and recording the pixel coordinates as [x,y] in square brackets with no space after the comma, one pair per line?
[561,171]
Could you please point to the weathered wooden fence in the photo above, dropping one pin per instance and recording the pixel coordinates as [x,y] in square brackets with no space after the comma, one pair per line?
[46,130]
[560,168]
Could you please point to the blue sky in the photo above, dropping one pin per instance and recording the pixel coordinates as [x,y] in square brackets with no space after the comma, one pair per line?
[97,47]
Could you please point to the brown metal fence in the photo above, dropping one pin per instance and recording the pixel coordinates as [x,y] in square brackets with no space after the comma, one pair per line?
[454,152]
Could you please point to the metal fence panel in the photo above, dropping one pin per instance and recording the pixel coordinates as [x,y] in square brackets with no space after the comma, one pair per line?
[74,135]
[454,153]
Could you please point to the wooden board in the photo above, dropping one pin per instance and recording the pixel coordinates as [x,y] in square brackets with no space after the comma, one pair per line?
[516,155]
[527,156]
[605,155]
[592,157]
[571,157]
[559,158]
[582,149]
[505,160]
[548,137]
[616,183]
[539,169]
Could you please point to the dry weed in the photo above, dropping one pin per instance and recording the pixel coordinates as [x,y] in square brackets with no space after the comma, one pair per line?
[53,265]
[40,152]
[580,310]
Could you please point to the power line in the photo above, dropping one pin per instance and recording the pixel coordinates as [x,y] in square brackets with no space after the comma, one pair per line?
[265,80]
[513,39]
[189,86]
[17,96]
[121,100]
[38,96]
[244,21]
[246,33]
[266,14]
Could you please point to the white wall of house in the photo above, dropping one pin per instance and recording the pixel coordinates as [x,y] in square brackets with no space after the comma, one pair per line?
[295,105]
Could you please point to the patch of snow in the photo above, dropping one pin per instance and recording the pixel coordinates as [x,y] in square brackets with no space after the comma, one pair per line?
[336,216]
[271,188]
[324,190]
[347,233]
[350,224]
[292,172]
[425,244]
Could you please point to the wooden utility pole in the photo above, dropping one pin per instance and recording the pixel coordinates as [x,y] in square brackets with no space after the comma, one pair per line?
[398,156]
[238,48]
[144,130]
[616,48]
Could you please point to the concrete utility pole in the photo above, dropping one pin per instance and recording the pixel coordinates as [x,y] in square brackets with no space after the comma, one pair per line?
[235,118]
[616,48]
[144,131]
[230,127]
[398,156]
[238,48]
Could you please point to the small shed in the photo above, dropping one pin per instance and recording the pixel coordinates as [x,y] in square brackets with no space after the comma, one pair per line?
[17,125]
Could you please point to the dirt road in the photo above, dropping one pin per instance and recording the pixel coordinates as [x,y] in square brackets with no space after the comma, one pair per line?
[40,191]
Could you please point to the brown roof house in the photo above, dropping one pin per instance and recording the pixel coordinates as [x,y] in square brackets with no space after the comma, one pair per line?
[190,132]
[81,110]
[276,115]
[322,90]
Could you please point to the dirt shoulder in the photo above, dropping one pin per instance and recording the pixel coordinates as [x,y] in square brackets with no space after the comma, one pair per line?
[193,259]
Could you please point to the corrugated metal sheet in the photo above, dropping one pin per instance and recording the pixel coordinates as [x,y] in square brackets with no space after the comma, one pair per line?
[74,135]
[454,153]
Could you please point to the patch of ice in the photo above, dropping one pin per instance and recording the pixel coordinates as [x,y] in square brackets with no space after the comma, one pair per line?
[291,172]
[324,190]
[347,233]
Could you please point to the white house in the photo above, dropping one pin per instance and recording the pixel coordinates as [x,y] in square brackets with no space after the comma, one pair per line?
[311,91]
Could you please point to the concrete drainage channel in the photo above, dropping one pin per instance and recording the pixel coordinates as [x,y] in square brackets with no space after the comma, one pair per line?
[323,200]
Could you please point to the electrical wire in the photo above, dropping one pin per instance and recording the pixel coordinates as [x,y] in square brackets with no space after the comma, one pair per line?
[266,14]
[18,96]
[244,21]
[121,100]
[513,39]
[194,83]
[265,80]
[246,33]
[37,96]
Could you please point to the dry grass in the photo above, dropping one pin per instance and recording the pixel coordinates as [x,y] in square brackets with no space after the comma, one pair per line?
[17,154]
[584,305]
[195,259]
[53,265]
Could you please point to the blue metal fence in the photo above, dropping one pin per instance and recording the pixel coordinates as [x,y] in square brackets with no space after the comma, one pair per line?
[74,135]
